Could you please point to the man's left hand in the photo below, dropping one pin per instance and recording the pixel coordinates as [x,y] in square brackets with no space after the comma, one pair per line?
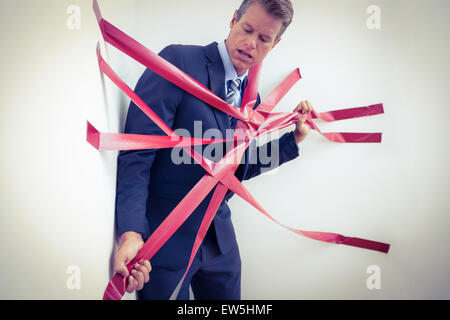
[301,129]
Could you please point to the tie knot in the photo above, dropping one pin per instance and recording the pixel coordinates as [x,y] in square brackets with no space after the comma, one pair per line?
[235,84]
[233,89]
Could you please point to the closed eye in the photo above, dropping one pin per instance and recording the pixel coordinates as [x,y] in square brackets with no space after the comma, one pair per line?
[247,28]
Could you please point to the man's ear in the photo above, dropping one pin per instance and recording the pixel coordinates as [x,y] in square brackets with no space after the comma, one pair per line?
[276,42]
[234,20]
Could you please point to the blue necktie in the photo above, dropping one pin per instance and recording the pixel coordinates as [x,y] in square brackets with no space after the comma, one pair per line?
[233,87]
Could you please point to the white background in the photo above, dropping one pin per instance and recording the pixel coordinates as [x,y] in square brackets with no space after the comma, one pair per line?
[57,192]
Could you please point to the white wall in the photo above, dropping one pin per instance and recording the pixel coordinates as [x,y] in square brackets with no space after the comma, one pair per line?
[57,192]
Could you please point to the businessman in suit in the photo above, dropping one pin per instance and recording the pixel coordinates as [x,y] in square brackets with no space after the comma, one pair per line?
[150,184]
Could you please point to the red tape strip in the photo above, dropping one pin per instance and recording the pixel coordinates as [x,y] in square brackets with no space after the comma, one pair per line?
[350,113]
[252,123]
[121,141]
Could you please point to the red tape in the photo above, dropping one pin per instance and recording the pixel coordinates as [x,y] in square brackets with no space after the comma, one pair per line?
[350,113]
[122,141]
[251,124]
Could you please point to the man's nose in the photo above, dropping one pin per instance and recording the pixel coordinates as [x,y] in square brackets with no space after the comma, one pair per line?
[251,41]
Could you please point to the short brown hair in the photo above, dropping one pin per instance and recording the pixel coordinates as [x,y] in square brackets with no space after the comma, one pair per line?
[281,9]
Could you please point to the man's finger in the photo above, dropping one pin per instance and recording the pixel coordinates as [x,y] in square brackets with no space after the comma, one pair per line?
[303,118]
[297,108]
[310,108]
[119,264]
[304,107]
[132,284]
[144,271]
[147,264]
[139,276]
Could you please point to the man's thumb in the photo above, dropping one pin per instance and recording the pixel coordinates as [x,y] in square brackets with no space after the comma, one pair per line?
[303,118]
[120,260]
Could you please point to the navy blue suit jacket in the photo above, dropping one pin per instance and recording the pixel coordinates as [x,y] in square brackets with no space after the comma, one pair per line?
[149,184]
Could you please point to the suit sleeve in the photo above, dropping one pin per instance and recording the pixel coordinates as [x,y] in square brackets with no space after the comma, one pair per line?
[133,167]
[271,155]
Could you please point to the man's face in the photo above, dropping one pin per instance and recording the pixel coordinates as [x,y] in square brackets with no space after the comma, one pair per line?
[252,37]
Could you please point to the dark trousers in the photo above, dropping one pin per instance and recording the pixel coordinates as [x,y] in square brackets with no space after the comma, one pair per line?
[213,276]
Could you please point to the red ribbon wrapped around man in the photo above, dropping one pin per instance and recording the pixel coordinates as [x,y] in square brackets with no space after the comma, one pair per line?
[180,210]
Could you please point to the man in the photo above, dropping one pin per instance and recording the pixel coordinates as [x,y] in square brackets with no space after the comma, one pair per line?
[150,185]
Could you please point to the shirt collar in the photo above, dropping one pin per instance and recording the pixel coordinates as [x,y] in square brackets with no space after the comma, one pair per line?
[230,71]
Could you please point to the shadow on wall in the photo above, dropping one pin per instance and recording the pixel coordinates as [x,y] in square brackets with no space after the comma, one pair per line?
[122,109]
[115,111]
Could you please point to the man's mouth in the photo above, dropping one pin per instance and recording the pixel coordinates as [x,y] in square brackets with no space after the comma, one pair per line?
[245,54]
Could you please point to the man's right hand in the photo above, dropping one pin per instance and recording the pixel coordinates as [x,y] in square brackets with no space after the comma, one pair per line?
[129,245]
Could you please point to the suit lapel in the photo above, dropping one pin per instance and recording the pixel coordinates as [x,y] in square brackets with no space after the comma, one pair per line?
[216,73]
